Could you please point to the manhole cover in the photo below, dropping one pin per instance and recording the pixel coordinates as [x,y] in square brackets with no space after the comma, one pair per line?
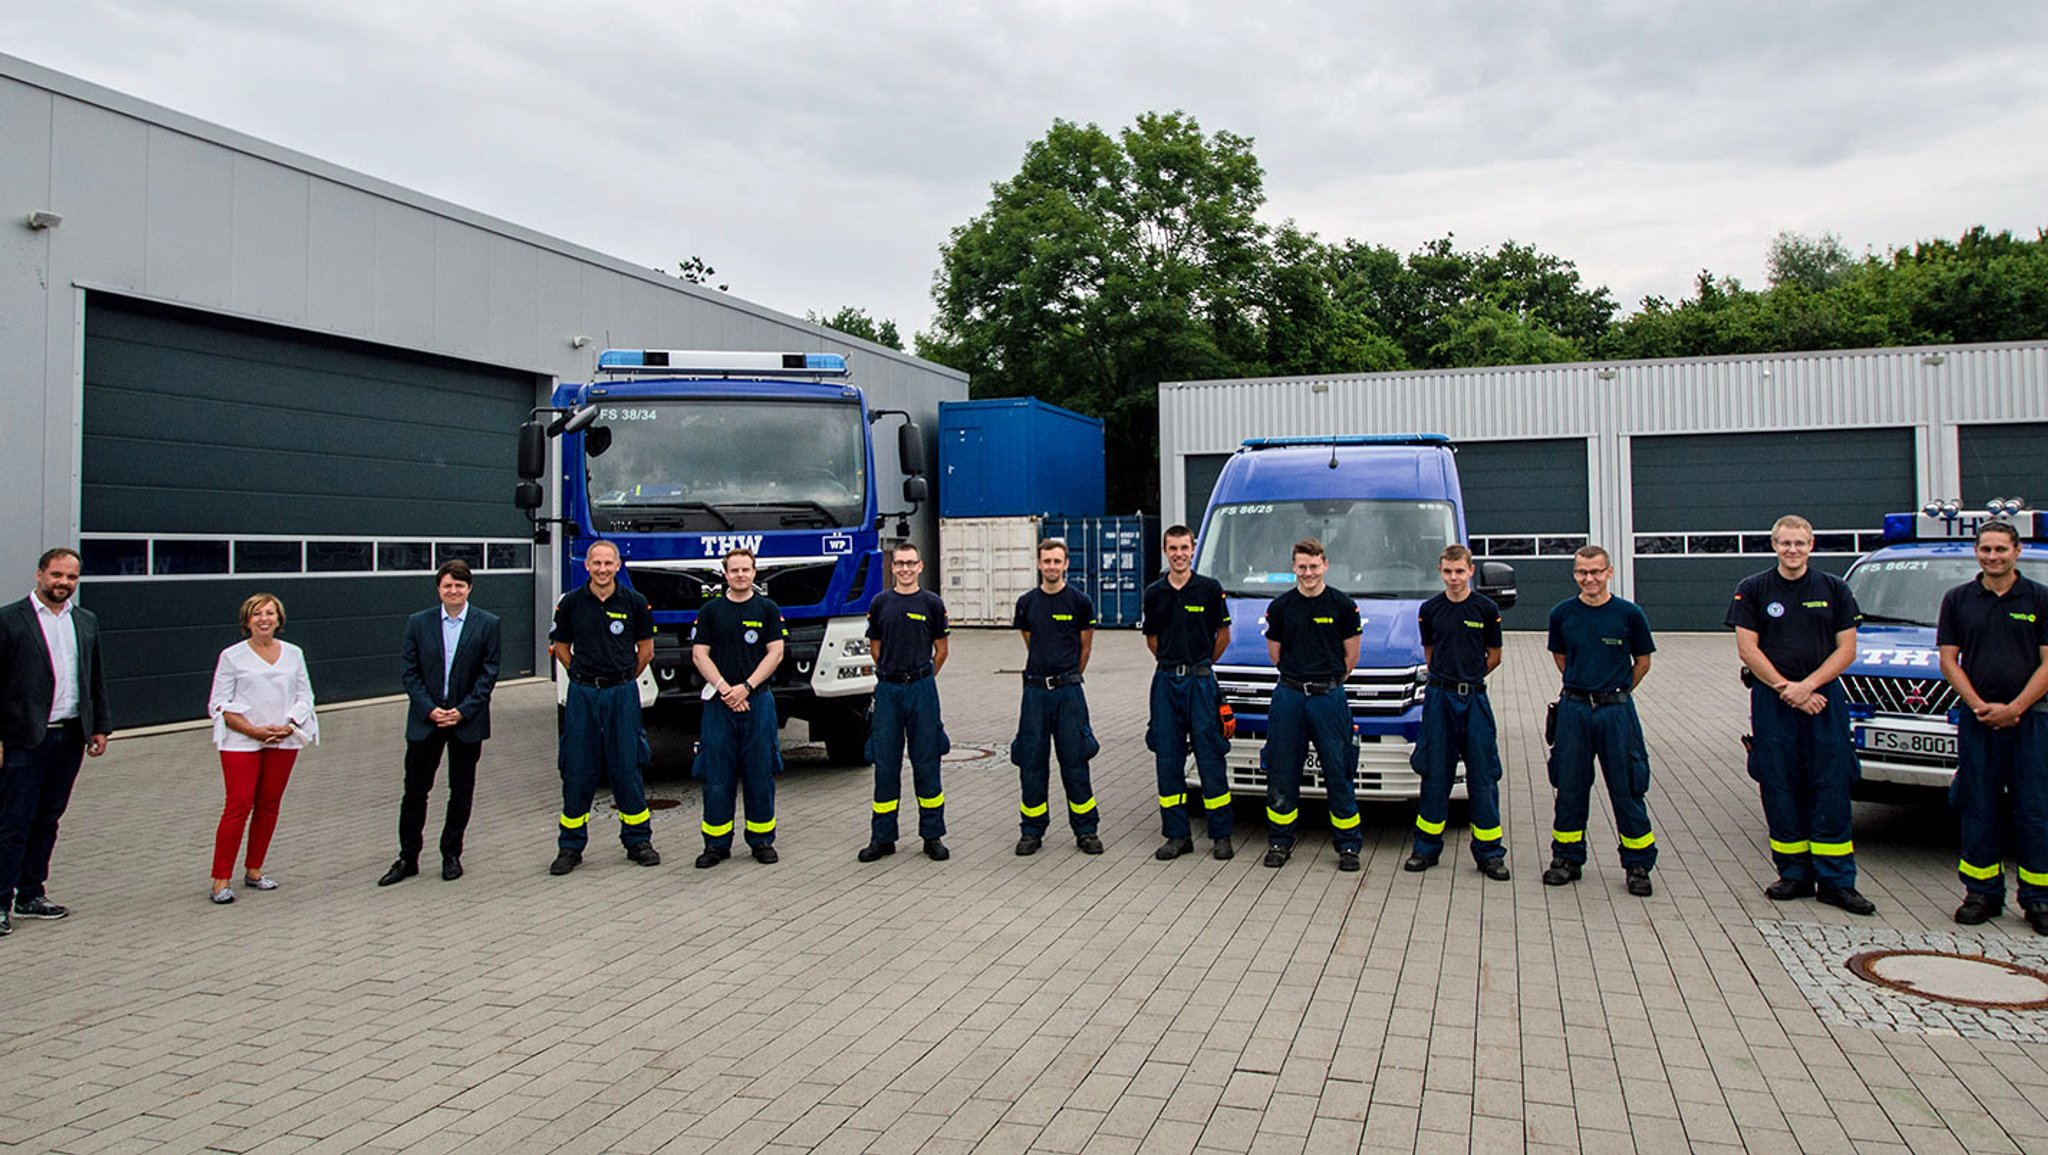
[663,803]
[1969,980]
[968,754]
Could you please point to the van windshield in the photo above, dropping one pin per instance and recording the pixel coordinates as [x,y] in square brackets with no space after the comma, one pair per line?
[1907,590]
[1376,549]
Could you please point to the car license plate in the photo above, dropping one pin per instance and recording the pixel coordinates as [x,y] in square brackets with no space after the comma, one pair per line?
[1311,762]
[1908,742]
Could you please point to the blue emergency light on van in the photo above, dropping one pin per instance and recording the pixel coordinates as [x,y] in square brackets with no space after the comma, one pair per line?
[713,362]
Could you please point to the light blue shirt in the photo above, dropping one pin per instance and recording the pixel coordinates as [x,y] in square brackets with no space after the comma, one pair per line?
[451,633]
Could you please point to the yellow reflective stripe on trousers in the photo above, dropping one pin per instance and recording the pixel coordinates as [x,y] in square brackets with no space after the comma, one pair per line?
[1978,872]
[636,819]
[1286,819]
[1638,843]
[888,807]
[1031,811]
[1216,803]
[1082,807]
[717,831]
[1834,849]
[2032,878]
[1486,834]
[573,823]
[1567,836]
[1169,801]
[932,803]
[754,827]
[1800,847]
[1428,827]
[1343,823]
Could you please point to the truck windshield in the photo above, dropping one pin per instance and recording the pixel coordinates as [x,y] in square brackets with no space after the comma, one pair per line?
[1385,549]
[730,464]
[1906,591]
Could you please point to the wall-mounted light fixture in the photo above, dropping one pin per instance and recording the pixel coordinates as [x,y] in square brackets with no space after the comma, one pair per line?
[1933,359]
[578,342]
[44,219]
[1607,374]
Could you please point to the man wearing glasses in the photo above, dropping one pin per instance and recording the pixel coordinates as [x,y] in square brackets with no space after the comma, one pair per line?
[907,639]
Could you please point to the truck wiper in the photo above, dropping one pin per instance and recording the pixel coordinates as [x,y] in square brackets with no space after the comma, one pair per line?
[810,508]
[1889,620]
[694,506]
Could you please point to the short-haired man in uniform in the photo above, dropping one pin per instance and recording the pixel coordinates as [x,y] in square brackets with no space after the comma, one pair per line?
[736,647]
[1312,637]
[1058,624]
[1993,636]
[603,637]
[1187,627]
[1461,644]
[907,640]
[1795,631]
[1602,646]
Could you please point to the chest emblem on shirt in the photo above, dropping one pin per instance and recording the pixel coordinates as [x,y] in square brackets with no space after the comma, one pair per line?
[915,617]
[1326,621]
[1775,609]
[752,636]
[2020,617]
[1475,625]
[1195,609]
[1063,617]
[1820,605]
[618,627]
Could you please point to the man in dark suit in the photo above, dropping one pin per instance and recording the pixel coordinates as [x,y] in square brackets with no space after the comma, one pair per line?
[450,667]
[53,711]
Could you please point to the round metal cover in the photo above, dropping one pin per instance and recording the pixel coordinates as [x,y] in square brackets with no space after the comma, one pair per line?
[1967,980]
[968,754]
[663,803]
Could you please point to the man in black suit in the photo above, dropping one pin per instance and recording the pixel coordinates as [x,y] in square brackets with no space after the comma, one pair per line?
[53,711]
[450,667]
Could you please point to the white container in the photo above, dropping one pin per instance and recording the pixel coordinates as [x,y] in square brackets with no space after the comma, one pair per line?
[987,563]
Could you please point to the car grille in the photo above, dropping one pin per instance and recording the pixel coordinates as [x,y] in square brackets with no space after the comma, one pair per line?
[1371,693]
[1925,697]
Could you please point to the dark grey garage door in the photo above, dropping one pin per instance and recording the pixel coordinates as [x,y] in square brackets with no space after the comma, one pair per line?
[1704,507]
[1527,504]
[221,458]
[2004,461]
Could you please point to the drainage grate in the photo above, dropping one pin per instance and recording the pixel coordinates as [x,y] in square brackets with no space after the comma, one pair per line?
[1945,976]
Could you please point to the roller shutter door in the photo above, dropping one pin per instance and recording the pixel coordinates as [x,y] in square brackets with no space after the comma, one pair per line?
[1527,503]
[221,458]
[2003,461]
[1703,508]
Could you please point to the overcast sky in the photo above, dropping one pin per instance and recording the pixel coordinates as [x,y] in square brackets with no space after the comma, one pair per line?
[818,153]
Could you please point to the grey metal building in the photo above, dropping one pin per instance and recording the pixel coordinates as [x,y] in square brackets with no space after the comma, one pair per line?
[1678,467]
[227,366]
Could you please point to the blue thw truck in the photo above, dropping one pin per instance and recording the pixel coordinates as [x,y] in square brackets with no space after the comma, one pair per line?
[1384,508]
[676,456]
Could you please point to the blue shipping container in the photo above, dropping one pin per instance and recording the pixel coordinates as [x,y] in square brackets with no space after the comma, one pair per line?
[1018,456]
[1112,560]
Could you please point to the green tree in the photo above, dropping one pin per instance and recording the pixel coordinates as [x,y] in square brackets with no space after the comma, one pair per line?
[1109,263]
[855,322]
[699,272]
[1814,263]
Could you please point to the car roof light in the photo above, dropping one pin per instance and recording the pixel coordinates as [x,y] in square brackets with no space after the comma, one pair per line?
[721,363]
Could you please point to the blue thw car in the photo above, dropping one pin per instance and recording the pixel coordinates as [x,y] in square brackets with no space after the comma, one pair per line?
[1902,713]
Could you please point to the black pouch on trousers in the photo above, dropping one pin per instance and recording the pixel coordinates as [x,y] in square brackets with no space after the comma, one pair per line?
[1550,725]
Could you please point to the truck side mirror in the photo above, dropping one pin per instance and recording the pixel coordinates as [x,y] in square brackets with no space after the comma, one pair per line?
[527,495]
[533,451]
[915,490]
[1497,581]
[910,450]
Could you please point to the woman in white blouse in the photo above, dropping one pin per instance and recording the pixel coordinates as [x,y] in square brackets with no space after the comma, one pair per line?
[262,709]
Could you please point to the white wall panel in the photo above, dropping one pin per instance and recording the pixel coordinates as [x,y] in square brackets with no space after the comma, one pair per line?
[190,214]
[269,242]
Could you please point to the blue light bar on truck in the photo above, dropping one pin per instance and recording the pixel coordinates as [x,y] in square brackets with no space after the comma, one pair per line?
[720,363]
[1959,526]
[1348,439]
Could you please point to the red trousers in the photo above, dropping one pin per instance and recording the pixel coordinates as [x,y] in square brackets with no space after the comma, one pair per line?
[256,781]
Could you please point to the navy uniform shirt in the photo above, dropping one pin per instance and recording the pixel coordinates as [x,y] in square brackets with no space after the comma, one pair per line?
[1458,634]
[906,625]
[2000,637]
[1055,622]
[1795,621]
[1600,643]
[1186,620]
[603,636]
[738,633]
[1312,633]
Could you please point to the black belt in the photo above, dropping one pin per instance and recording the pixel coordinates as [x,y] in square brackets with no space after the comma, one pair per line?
[1460,688]
[601,681]
[904,679]
[1052,683]
[1596,698]
[1198,669]
[1312,689]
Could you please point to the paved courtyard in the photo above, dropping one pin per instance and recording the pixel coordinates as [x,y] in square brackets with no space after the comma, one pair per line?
[1062,1003]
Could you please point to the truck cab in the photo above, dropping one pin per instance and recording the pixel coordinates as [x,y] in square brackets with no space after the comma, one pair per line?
[1902,712]
[1384,508]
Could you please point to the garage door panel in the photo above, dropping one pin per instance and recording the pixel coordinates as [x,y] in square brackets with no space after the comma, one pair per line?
[1837,478]
[2004,461]
[1693,593]
[1524,487]
[218,428]
[1540,583]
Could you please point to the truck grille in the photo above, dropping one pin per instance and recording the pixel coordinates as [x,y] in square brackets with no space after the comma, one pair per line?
[667,587]
[1930,697]
[1371,693]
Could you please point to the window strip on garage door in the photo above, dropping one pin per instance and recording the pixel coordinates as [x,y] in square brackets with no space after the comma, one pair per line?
[116,557]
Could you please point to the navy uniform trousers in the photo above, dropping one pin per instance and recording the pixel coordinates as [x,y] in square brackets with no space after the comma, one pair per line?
[1804,765]
[907,714]
[2000,794]
[1614,735]
[739,750]
[601,734]
[1457,726]
[1049,721]
[1295,720]
[1184,716]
